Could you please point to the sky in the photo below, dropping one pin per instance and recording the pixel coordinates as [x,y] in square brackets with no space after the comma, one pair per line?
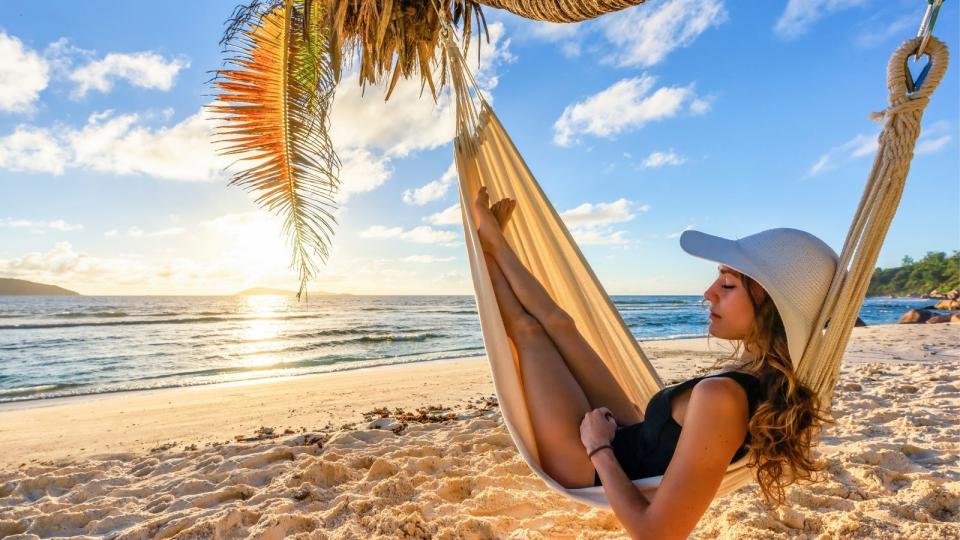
[720,116]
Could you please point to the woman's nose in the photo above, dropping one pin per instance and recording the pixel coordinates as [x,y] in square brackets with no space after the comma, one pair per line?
[709,294]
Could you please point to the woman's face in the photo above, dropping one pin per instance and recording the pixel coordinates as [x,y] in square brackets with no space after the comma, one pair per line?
[731,312]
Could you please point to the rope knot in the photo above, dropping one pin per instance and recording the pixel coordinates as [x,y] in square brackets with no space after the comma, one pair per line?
[915,103]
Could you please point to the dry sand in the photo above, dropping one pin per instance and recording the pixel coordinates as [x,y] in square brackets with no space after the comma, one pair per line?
[167,463]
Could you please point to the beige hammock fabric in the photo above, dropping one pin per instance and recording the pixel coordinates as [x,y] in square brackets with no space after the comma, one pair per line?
[486,156]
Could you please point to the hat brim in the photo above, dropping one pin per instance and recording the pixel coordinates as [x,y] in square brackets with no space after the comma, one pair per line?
[730,253]
[717,249]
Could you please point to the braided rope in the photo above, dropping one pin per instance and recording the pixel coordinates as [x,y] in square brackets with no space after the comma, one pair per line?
[561,11]
[820,366]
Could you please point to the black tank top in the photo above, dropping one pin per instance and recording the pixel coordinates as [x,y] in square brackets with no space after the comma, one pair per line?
[645,449]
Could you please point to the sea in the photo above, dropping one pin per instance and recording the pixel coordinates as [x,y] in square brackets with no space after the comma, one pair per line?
[54,346]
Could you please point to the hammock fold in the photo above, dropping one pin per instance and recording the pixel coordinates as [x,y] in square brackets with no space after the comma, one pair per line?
[485,156]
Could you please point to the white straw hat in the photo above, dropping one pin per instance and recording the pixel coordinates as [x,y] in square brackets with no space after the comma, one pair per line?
[794,267]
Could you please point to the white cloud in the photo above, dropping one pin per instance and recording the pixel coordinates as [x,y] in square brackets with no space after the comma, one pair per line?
[57,224]
[821,164]
[933,138]
[678,233]
[119,144]
[63,265]
[551,31]
[432,191]
[589,237]
[644,35]
[590,224]
[601,214]
[931,144]
[23,75]
[361,171]
[137,232]
[427,259]
[874,33]
[627,105]
[142,69]
[567,35]
[701,105]
[660,159]
[374,132]
[800,14]
[31,149]
[859,146]
[408,122]
[419,235]
[448,216]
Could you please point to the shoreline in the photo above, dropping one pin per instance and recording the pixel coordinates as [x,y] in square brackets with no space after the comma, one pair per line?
[10,404]
[218,411]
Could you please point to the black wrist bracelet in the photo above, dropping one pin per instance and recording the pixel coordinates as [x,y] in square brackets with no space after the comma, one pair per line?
[597,449]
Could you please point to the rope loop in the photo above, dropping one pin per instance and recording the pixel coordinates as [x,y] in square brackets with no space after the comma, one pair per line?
[903,99]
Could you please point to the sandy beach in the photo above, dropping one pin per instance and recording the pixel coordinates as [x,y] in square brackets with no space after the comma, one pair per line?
[420,451]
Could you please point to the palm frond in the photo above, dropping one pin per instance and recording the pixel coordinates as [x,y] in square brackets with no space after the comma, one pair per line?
[274,103]
[396,38]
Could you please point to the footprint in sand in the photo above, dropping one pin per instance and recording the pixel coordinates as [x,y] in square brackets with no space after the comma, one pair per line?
[229,493]
[455,490]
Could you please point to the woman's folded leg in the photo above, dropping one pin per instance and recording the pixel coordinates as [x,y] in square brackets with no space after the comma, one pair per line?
[555,400]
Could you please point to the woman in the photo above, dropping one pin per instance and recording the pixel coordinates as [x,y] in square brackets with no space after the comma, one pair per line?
[589,433]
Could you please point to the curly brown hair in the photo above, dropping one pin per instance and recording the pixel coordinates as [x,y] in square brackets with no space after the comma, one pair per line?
[789,417]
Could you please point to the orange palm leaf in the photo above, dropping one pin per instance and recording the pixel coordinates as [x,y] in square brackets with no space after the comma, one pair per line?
[274,106]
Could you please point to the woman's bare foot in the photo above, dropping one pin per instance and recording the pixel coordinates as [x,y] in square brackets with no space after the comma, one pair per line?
[488,227]
[503,211]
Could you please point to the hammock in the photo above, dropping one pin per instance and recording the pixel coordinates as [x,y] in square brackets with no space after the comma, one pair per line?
[485,156]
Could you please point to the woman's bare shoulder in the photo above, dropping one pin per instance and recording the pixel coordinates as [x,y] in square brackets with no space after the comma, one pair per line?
[719,398]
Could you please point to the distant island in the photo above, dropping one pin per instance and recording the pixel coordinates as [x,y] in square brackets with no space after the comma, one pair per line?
[22,287]
[267,291]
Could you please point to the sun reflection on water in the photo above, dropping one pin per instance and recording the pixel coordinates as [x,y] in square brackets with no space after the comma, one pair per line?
[262,327]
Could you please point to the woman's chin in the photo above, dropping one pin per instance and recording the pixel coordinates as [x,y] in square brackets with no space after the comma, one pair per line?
[718,332]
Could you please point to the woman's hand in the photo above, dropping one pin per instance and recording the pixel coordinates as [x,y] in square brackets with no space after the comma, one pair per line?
[597,428]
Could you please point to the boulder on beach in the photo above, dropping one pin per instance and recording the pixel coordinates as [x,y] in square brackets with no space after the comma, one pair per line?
[950,305]
[915,316]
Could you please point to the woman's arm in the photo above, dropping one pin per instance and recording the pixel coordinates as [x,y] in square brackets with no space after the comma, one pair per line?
[715,424]
[596,431]
[623,496]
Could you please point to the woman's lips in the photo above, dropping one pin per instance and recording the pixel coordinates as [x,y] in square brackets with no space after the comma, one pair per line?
[714,315]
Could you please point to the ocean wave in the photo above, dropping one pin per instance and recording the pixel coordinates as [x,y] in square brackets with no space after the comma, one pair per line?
[141,322]
[372,338]
[98,314]
[24,391]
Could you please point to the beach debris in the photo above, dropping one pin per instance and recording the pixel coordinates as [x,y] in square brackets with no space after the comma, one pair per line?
[162,448]
[388,424]
[262,433]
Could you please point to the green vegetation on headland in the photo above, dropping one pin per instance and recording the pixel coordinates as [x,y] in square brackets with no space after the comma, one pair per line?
[935,272]
[21,287]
